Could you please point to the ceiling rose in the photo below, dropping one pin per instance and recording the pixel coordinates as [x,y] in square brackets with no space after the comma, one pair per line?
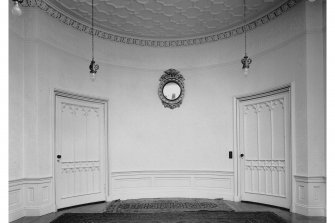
[164,22]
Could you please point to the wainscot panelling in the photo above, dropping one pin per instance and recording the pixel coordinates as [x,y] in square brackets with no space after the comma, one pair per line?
[15,199]
[30,197]
[176,183]
[310,196]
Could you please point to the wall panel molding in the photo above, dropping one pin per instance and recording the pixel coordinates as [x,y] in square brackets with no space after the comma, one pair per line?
[171,183]
[16,200]
[310,195]
[30,197]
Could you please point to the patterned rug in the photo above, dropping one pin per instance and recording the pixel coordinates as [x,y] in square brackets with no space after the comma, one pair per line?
[173,217]
[167,205]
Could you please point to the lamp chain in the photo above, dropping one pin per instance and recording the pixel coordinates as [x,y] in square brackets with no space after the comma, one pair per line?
[92,32]
[245,31]
[93,66]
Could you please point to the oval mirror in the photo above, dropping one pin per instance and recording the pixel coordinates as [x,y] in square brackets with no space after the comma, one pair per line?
[171,88]
[171,91]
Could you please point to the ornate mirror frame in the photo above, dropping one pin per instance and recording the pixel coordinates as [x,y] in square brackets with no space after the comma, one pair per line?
[171,75]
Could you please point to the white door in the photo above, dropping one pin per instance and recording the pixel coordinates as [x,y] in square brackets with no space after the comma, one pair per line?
[264,125]
[80,148]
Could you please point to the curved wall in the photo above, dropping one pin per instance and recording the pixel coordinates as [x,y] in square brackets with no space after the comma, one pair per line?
[144,136]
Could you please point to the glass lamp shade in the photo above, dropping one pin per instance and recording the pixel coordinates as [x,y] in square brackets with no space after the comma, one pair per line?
[93,76]
[16,10]
[246,71]
[93,69]
[246,61]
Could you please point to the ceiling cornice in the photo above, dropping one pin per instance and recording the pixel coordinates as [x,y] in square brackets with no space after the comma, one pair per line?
[86,28]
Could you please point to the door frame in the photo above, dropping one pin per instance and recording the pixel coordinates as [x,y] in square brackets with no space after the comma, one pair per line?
[290,88]
[68,94]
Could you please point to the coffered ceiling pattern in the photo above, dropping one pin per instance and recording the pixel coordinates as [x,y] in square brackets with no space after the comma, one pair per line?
[164,23]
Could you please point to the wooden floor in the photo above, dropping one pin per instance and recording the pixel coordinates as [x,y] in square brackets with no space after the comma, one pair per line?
[237,206]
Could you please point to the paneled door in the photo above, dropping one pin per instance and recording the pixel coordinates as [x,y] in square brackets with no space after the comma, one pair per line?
[80,151]
[264,149]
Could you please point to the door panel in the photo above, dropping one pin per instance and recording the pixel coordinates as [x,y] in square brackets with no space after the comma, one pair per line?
[80,140]
[264,140]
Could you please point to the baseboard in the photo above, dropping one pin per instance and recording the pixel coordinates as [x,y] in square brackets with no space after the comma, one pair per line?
[30,211]
[310,211]
[39,210]
[237,198]
[16,214]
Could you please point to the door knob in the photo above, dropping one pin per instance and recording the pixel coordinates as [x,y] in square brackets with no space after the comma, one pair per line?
[59,156]
[241,155]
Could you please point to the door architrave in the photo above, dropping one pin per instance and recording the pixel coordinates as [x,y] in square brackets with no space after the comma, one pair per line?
[68,94]
[290,88]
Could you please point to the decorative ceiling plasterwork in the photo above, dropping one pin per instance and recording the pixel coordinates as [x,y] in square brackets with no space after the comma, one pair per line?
[83,26]
[165,19]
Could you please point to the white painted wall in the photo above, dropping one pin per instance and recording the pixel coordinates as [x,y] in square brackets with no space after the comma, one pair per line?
[16,108]
[316,87]
[143,135]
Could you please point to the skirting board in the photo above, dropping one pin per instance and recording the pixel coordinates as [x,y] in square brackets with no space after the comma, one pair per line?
[310,211]
[177,183]
[30,211]
[310,196]
[39,210]
[30,197]
[16,214]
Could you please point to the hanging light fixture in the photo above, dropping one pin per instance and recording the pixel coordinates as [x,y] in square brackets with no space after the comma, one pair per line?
[93,66]
[246,61]
[16,10]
